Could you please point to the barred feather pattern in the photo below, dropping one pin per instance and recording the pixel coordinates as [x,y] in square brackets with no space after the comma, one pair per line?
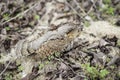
[58,45]
[51,47]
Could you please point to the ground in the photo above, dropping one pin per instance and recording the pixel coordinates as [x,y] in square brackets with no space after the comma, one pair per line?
[95,51]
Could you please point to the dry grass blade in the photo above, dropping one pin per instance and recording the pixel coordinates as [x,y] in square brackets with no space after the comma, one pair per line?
[5,68]
[21,14]
[80,8]
[73,9]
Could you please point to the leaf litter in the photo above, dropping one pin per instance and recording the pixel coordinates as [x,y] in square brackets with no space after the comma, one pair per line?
[99,42]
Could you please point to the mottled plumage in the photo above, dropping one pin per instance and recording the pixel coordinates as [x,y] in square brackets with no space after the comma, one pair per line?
[56,45]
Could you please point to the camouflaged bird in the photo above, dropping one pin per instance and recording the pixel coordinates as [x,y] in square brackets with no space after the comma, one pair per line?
[60,40]
[57,45]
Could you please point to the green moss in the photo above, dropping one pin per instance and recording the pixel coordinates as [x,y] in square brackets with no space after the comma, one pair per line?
[6,16]
[50,57]
[93,72]
[110,10]
[20,68]
[103,73]
[7,28]
[41,66]
[37,17]
[118,42]
[107,1]
[87,24]
[8,76]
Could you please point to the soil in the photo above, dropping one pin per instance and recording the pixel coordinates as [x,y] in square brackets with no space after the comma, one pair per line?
[96,58]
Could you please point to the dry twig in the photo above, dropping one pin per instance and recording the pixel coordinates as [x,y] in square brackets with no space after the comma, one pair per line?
[5,68]
[21,14]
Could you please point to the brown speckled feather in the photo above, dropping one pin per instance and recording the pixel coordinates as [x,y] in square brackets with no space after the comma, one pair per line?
[51,47]
[58,45]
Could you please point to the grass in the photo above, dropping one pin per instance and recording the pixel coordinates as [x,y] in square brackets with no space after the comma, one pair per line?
[93,73]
